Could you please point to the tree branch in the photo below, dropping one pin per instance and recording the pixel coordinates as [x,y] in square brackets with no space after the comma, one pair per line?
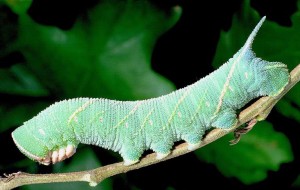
[258,110]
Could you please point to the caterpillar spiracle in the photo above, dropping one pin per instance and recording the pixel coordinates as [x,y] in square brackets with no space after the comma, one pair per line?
[131,127]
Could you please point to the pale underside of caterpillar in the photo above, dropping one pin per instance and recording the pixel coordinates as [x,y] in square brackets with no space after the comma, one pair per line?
[131,127]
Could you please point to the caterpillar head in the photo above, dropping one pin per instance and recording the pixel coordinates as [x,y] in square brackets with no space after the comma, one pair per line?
[44,139]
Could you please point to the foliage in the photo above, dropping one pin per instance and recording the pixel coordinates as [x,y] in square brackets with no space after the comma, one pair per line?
[106,48]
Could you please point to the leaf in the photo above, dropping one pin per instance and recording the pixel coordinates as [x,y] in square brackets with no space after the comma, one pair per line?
[259,151]
[296,183]
[107,53]
[19,81]
[86,159]
[18,6]
[14,114]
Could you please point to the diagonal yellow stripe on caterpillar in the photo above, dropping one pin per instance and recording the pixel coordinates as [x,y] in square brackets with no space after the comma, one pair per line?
[198,107]
[139,103]
[80,109]
[183,96]
[246,47]
[145,121]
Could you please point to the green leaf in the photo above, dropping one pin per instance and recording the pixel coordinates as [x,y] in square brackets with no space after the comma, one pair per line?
[19,81]
[107,53]
[18,6]
[14,114]
[296,183]
[260,150]
[84,160]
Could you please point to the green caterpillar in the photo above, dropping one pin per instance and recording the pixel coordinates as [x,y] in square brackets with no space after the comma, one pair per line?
[130,127]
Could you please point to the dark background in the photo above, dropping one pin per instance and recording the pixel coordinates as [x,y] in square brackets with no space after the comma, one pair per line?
[183,55]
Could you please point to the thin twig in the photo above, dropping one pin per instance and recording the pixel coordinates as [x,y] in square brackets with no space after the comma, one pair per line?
[258,110]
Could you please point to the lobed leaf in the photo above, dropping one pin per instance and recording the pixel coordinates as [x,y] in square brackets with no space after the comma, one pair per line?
[258,152]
